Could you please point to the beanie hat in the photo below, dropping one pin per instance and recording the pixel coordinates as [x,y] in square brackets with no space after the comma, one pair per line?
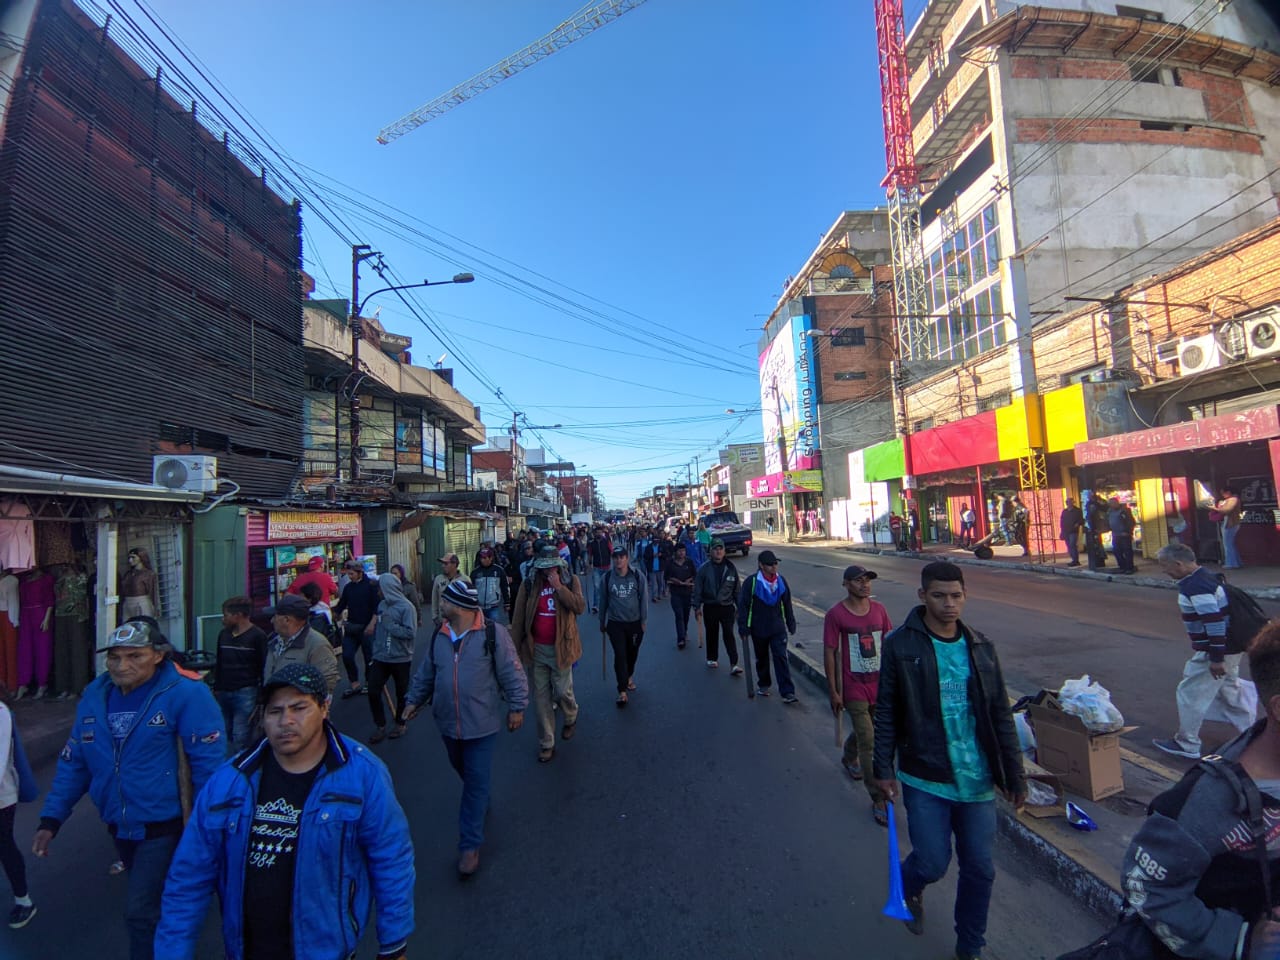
[461,594]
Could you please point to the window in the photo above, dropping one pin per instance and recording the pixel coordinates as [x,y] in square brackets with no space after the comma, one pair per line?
[995,401]
[1124,10]
[925,424]
[851,375]
[849,337]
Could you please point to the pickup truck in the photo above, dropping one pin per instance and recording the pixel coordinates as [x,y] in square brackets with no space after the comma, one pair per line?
[724,525]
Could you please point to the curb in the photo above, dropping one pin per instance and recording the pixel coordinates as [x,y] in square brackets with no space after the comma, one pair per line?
[1058,867]
[1161,583]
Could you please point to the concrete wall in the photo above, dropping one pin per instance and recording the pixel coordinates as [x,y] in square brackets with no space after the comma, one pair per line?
[1244,21]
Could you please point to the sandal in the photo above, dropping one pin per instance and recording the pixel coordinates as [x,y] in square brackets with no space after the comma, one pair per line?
[544,756]
[116,869]
[398,732]
[378,735]
[631,684]
[622,700]
[881,814]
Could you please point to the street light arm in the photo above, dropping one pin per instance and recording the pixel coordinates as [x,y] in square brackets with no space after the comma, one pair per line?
[458,278]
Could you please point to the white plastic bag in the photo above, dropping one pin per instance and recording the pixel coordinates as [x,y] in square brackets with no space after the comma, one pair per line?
[1091,703]
[1040,794]
[1026,736]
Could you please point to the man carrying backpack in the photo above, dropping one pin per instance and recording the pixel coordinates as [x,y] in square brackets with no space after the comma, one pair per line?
[1213,672]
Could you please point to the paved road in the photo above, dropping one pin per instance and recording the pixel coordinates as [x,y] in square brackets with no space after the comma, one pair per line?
[1047,628]
[694,823]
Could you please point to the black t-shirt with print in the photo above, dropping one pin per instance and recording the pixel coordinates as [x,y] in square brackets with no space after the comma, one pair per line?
[273,854]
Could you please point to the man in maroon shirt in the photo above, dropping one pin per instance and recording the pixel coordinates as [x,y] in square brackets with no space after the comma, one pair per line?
[851,634]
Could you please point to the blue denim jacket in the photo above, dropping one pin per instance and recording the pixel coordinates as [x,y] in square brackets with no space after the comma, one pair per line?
[353,848]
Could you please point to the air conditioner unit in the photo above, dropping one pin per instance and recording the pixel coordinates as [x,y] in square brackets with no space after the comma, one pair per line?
[1262,336]
[1199,353]
[197,474]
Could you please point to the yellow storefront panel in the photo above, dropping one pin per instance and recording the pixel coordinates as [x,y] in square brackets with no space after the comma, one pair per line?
[1065,422]
[1018,428]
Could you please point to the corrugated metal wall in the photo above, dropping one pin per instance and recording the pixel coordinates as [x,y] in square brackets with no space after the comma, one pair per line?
[149,282]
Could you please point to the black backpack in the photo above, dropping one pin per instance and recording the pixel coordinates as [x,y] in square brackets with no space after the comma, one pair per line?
[1245,617]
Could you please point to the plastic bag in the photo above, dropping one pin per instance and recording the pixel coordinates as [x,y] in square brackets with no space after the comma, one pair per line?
[1026,736]
[1040,794]
[1091,703]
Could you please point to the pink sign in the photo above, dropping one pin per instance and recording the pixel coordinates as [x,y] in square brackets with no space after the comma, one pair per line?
[1221,431]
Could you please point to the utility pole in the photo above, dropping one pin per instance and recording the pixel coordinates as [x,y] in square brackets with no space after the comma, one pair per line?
[359,253]
[784,512]
[515,458]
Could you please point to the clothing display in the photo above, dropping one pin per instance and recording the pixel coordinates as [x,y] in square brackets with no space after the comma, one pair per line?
[35,631]
[71,646]
[10,607]
[17,537]
[54,547]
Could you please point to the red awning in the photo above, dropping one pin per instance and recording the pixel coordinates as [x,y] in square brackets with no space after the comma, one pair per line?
[969,442]
[1221,431]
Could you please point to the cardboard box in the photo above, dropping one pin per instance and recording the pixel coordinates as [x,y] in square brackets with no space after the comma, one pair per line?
[1038,773]
[1089,764]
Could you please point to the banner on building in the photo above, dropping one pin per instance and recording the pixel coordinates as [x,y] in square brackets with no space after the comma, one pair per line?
[789,398]
[288,525]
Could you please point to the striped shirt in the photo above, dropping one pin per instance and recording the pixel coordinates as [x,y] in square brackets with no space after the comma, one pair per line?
[1203,605]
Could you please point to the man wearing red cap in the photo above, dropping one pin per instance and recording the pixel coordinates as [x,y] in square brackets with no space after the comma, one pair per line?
[317,574]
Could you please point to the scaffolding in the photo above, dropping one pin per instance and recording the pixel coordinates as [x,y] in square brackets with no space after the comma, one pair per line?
[1033,479]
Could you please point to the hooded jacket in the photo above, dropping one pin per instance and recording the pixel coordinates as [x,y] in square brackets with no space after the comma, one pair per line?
[465,686]
[491,585]
[397,623]
[757,617]
[135,782]
[569,603]
[1192,871]
[908,717]
[354,848]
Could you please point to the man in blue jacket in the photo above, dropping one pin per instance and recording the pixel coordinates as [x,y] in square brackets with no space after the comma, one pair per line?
[136,726]
[765,617]
[300,835]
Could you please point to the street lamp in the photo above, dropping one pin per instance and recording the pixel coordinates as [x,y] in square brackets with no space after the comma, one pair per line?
[361,252]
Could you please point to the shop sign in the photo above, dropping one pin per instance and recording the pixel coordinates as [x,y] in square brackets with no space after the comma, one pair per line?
[501,499]
[1221,431]
[790,481]
[289,525]
[1257,499]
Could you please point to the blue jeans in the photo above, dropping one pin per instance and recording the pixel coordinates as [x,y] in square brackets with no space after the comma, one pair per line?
[597,585]
[1231,556]
[354,639]
[657,586]
[148,865]
[931,822]
[1073,548]
[237,707]
[496,614]
[680,603]
[473,761]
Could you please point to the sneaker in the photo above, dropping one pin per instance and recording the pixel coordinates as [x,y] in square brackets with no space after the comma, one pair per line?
[1174,747]
[735,671]
[916,906]
[761,692]
[790,698]
[20,916]
[713,663]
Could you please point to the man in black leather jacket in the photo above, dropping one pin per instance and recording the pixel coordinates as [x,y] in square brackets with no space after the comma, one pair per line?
[942,708]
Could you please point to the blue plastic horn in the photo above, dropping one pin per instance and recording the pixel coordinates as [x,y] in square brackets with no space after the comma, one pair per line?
[896,906]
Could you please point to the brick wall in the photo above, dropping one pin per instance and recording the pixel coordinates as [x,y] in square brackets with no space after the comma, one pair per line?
[875,316]
[1111,130]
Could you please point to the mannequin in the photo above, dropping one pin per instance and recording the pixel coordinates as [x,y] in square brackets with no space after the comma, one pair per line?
[9,619]
[35,633]
[71,653]
[139,588]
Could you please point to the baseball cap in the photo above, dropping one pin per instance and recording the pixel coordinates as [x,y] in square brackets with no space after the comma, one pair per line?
[619,551]
[290,605]
[300,676]
[353,565]
[449,558]
[853,572]
[768,556]
[485,552]
[717,542]
[134,633]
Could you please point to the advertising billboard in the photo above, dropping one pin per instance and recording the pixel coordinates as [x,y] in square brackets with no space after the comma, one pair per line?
[789,398]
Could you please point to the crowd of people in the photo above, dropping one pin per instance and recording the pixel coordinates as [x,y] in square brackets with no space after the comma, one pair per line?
[239,786]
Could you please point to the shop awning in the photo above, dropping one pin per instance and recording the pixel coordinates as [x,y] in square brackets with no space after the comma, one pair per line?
[22,480]
[1260,424]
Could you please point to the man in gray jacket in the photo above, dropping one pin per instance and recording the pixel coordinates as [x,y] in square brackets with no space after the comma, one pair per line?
[715,598]
[469,667]
[394,632]
[295,642]
[624,610]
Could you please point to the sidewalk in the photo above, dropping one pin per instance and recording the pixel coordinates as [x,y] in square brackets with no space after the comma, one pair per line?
[1263,583]
[44,726]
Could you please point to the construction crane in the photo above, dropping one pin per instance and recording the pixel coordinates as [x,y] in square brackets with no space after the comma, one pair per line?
[590,18]
[902,178]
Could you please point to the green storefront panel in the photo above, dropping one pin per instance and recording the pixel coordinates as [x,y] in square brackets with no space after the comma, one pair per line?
[884,461]
[217,569]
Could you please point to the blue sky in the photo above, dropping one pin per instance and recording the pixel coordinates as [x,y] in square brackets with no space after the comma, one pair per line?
[658,180]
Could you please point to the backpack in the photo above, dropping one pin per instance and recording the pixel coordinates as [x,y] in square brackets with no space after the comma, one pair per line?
[324,626]
[1245,617]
